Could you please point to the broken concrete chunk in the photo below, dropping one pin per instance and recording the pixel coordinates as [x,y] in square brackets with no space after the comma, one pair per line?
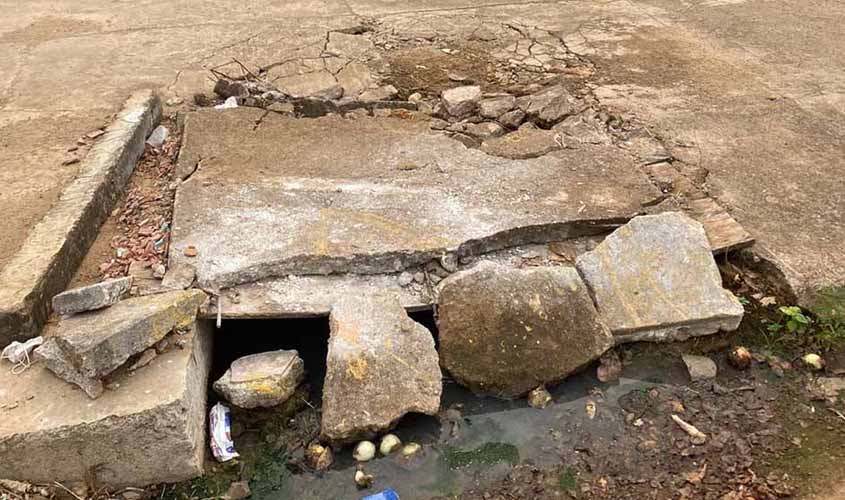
[381,365]
[505,331]
[461,101]
[495,107]
[317,85]
[527,142]
[484,130]
[550,105]
[93,345]
[355,78]
[655,279]
[261,380]
[151,429]
[88,298]
[699,367]
[179,277]
[379,94]
[56,361]
[512,119]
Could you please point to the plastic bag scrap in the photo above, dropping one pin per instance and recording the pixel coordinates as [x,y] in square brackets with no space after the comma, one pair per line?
[220,427]
[231,102]
[20,354]
[383,495]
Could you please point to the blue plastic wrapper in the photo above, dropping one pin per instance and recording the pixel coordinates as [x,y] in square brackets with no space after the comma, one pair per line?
[383,495]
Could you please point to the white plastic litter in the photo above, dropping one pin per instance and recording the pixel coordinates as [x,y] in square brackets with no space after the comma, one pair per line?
[220,427]
[229,103]
[19,353]
[157,138]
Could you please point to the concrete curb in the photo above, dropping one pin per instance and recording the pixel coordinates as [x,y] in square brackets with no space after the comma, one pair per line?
[57,244]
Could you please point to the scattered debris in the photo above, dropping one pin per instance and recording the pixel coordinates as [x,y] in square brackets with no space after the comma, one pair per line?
[238,491]
[191,251]
[364,451]
[319,457]
[91,297]
[610,367]
[739,357]
[389,444]
[362,479]
[261,380]
[590,408]
[699,367]
[157,137]
[550,306]
[229,103]
[220,430]
[697,437]
[813,361]
[20,353]
[539,397]
[411,449]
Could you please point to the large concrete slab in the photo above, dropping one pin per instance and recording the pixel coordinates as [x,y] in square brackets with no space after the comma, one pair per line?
[148,430]
[368,196]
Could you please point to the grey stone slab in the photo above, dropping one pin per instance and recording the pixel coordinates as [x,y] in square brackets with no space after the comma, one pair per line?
[96,343]
[700,367]
[261,380]
[373,196]
[150,429]
[310,296]
[505,331]
[655,279]
[88,298]
[56,245]
[380,366]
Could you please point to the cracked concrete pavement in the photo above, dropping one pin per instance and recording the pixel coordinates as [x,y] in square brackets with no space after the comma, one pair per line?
[751,90]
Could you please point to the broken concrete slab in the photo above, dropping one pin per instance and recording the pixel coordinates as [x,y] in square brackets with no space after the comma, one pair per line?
[527,142]
[655,279]
[310,296]
[381,365]
[317,85]
[92,345]
[91,297]
[56,245]
[399,196]
[505,331]
[150,430]
[261,380]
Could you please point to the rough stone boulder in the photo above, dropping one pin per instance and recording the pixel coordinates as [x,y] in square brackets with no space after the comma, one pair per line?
[655,279]
[381,365]
[261,380]
[505,331]
[151,429]
[89,346]
[88,298]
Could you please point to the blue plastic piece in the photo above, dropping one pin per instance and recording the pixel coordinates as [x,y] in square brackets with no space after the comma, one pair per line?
[383,495]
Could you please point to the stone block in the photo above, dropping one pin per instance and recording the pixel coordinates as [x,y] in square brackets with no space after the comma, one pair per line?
[150,429]
[261,380]
[655,279]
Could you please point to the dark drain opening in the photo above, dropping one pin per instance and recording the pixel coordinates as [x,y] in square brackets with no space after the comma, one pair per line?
[309,337]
